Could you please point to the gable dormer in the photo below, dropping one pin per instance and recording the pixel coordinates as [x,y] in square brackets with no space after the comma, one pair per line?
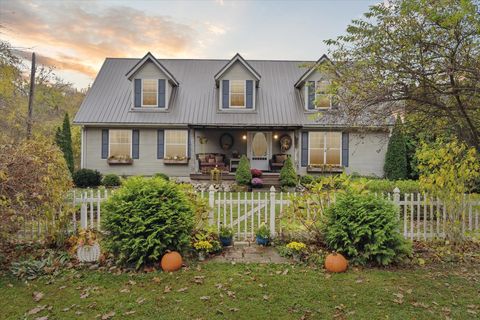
[313,86]
[152,84]
[237,82]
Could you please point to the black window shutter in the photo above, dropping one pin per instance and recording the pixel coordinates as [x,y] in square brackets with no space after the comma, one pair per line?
[161,93]
[104,143]
[345,149]
[135,144]
[249,94]
[138,93]
[225,93]
[304,155]
[160,143]
[311,95]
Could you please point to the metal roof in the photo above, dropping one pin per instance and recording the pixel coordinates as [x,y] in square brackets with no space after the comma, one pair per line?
[194,101]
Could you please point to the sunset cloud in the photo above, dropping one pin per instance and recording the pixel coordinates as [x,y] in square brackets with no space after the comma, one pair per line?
[83,38]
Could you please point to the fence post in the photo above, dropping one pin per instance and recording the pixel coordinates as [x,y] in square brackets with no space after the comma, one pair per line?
[211,203]
[83,214]
[272,211]
[396,196]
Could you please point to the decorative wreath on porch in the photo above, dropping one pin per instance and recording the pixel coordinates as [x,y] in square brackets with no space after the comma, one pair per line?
[285,142]
[226,141]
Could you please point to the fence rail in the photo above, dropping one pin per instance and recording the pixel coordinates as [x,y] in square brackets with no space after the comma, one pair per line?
[421,217]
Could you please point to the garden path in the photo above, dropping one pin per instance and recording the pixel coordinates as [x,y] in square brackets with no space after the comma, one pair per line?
[246,252]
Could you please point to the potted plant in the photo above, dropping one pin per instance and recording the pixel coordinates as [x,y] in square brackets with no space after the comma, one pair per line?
[203,247]
[226,236]
[86,246]
[263,235]
[296,249]
[257,183]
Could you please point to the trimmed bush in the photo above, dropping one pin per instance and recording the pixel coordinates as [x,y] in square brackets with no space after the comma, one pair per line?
[111,180]
[161,175]
[366,229]
[396,158]
[307,180]
[145,218]
[383,185]
[288,175]
[243,176]
[87,178]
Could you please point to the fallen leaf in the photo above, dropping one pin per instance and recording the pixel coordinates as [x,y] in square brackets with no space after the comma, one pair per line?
[84,295]
[125,290]
[109,315]
[231,294]
[284,273]
[167,289]
[234,309]
[140,300]
[266,297]
[129,313]
[204,298]
[36,310]
[37,296]
[42,318]
[182,289]
[156,279]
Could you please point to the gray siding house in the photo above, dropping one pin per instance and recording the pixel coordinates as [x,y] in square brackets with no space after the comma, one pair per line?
[184,117]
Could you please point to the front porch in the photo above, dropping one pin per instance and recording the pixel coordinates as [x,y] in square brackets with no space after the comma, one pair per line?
[222,148]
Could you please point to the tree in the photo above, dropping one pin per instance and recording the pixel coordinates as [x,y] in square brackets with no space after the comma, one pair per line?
[417,57]
[396,158]
[243,176]
[63,138]
[449,170]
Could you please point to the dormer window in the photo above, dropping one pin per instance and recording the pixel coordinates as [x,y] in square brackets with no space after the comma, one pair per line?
[149,92]
[316,95]
[237,94]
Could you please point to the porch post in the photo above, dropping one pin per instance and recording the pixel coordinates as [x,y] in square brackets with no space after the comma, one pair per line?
[211,204]
[272,211]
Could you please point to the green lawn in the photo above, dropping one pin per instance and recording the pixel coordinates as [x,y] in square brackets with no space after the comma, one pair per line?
[224,291]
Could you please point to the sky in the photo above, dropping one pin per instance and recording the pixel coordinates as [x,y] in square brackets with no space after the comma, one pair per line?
[76,36]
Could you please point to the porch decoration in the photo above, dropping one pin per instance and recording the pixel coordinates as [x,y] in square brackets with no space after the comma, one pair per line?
[119,159]
[226,236]
[87,246]
[257,183]
[256,173]
[171,261]
[263,235]
[203,248]
[226,141]
[336,263]
[285,142]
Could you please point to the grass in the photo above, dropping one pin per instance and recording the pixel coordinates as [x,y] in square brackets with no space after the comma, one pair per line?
[224,291]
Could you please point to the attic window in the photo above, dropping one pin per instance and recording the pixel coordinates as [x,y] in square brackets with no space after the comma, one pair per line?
[317,96]
[149,93]
[237,94]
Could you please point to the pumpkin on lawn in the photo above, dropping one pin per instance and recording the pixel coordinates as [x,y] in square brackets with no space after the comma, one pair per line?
[335,262]
[171,261]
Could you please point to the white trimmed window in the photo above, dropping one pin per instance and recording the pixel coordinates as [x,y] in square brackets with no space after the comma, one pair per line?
[149,92]
[237,94]
[120,143]
[325,148]
[176,144]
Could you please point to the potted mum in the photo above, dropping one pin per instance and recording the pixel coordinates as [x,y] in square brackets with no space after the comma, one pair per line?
[203,248]
[226,236]
[296,249]
[263,235]
[257,183]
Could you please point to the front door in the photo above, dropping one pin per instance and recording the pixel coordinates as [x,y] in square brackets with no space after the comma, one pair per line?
[259,149]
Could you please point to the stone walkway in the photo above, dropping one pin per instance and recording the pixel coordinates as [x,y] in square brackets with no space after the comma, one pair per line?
[246,252]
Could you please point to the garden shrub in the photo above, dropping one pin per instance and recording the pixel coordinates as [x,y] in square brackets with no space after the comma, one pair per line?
[87,178]
[111,180]
[145,218]
[383,185]
[395,166]
[161,175]
[307,180]
[243,176]
[366,229]
[288,176]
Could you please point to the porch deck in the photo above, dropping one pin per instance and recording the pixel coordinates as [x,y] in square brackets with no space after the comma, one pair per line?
[269,178]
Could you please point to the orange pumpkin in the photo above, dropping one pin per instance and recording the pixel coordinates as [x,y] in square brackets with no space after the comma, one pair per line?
[335,262]
[171,261]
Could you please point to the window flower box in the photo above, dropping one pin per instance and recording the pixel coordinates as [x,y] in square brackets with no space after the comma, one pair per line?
[114,160]
[175,160]
[325,168]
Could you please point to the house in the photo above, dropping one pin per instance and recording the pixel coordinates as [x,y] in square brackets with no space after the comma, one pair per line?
[184,117]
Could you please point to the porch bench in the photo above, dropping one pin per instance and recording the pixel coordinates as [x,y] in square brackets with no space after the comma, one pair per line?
[277,161]
[208,161]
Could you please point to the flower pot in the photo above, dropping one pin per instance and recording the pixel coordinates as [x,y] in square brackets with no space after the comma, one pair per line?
[262,241]
[86,253]
[201,256]
[226,241]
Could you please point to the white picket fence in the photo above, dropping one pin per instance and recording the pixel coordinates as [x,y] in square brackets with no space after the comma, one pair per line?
[422,217]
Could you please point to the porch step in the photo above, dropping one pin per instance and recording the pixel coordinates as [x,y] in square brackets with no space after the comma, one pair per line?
[269,178]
